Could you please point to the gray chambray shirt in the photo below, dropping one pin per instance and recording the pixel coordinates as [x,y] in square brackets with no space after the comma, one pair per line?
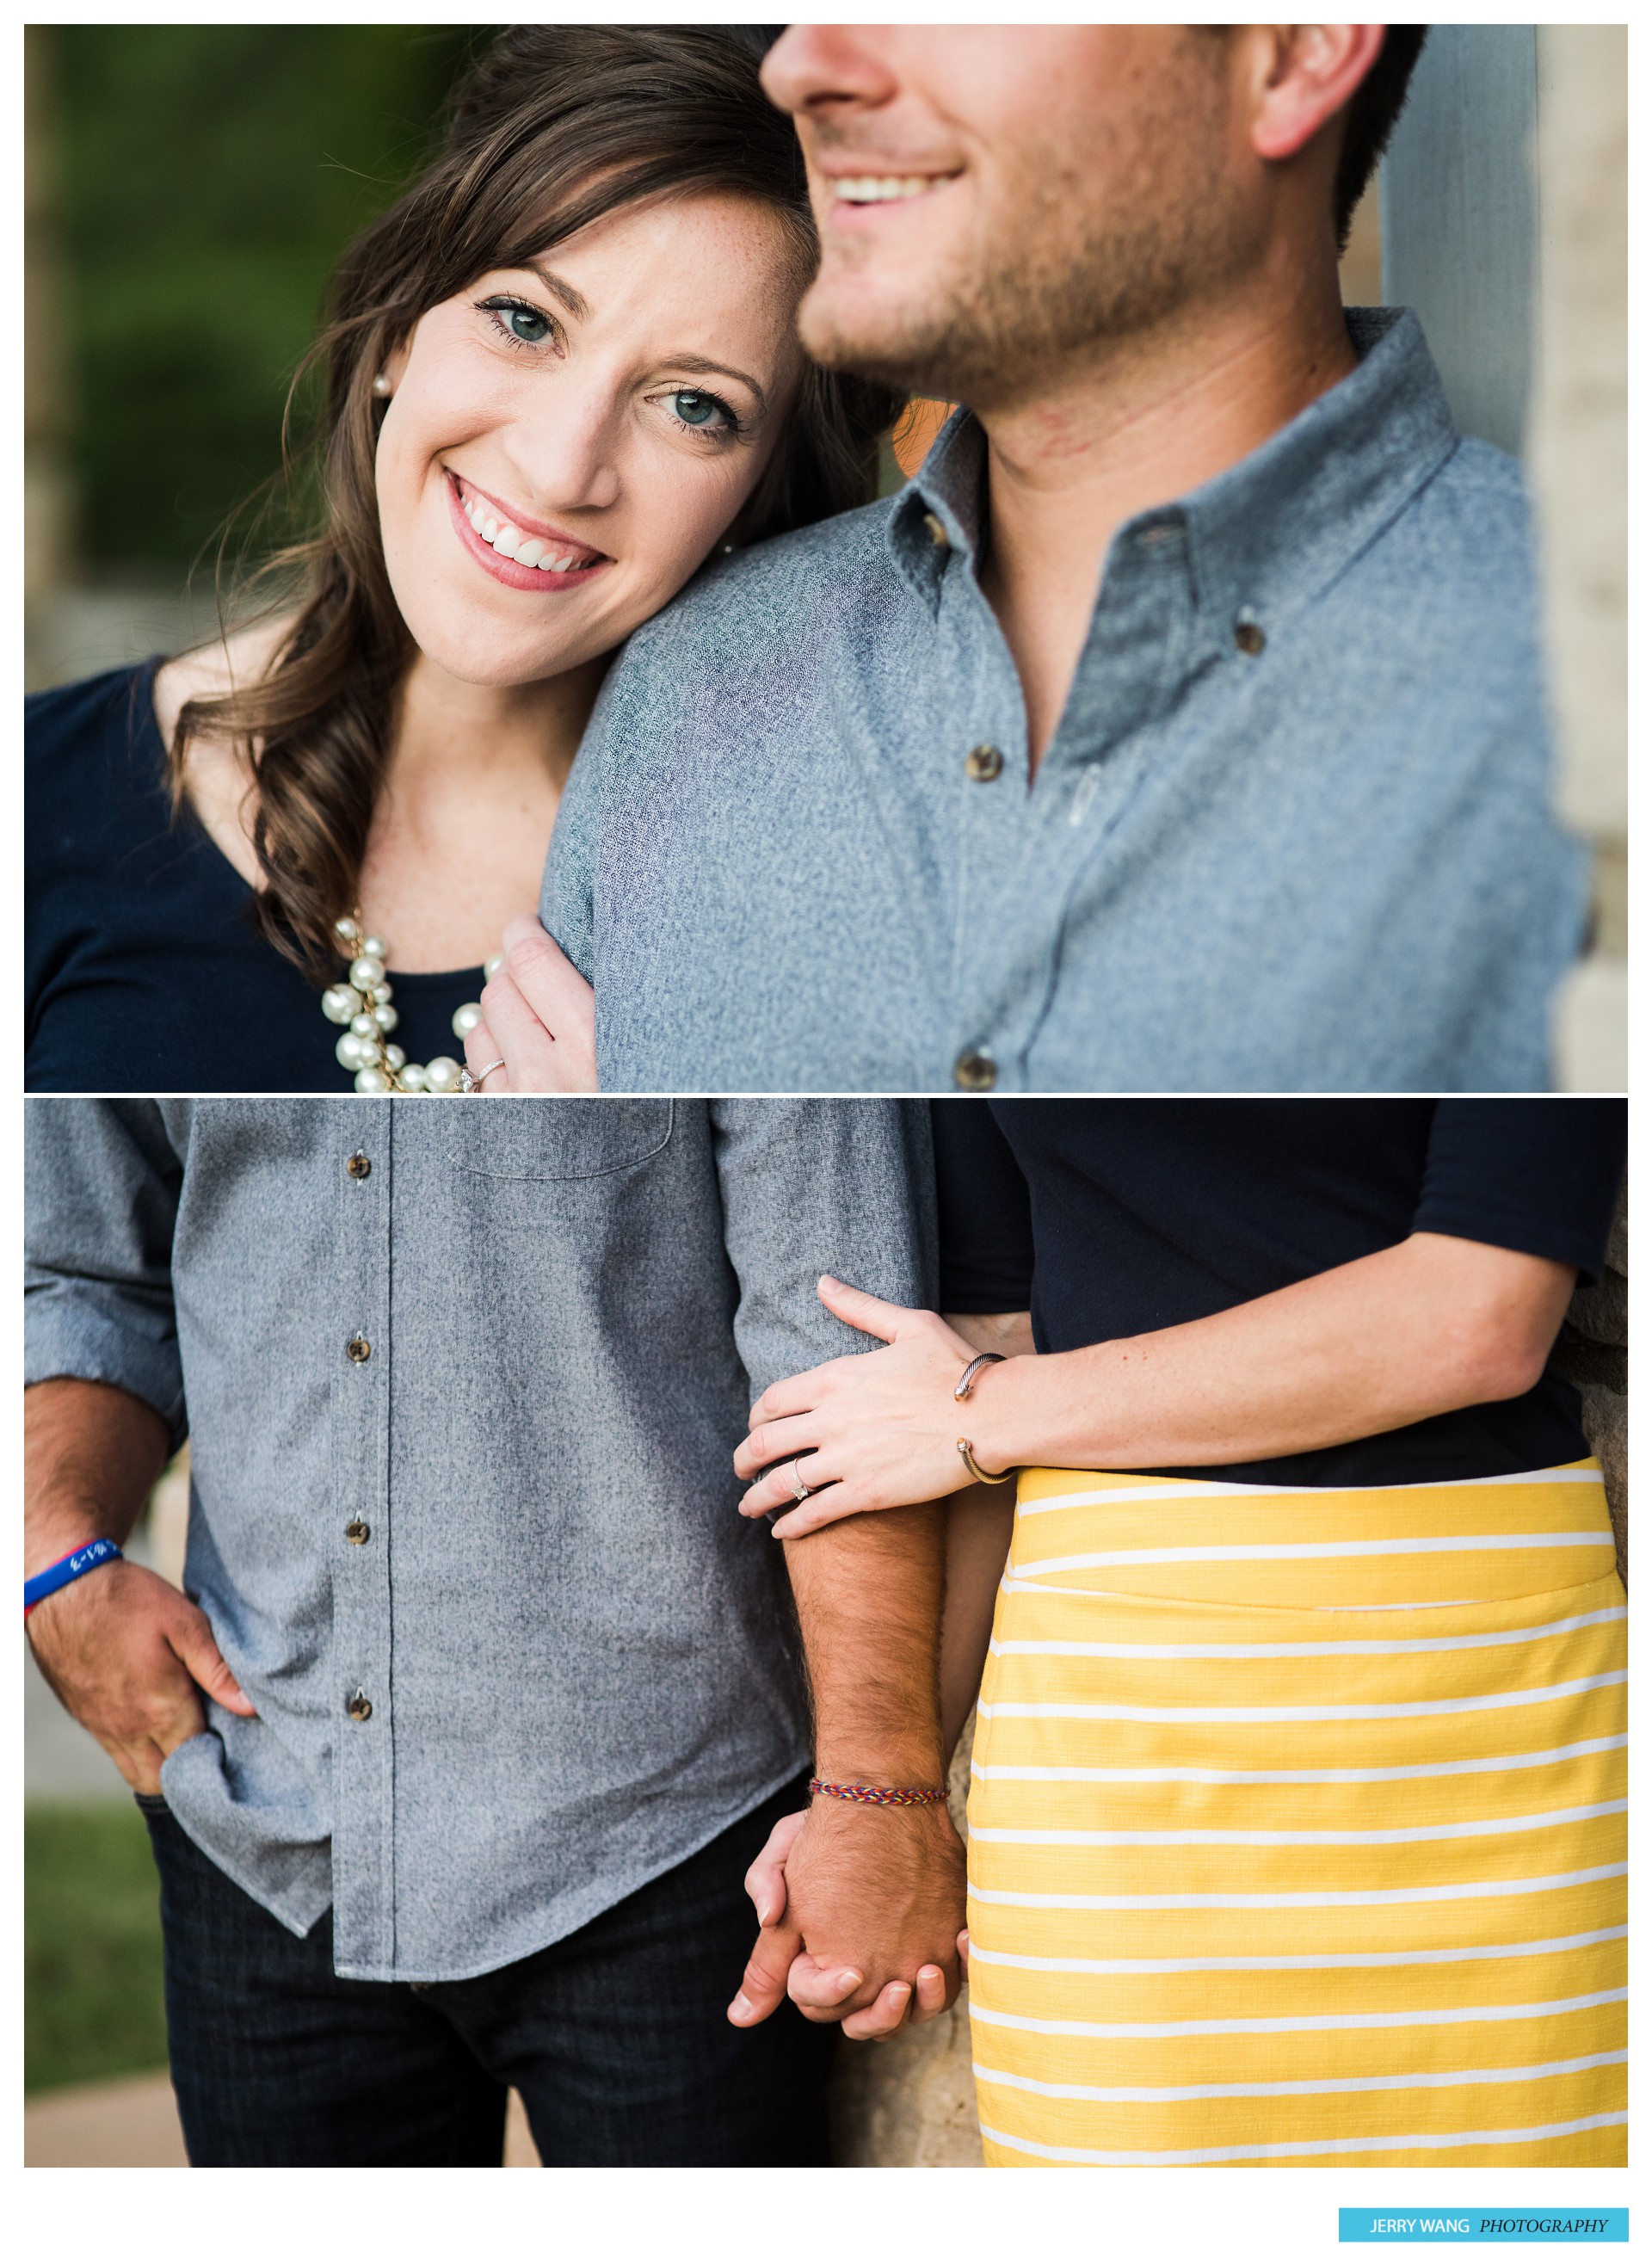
[1292,832]
[580,1659]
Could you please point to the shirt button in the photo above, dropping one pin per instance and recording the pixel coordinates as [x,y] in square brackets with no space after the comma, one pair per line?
[357,1350]
[359,1166]
[975,1071]
[1249,638]
[935,530]
[983,765]
[357,1531]
[359,1707]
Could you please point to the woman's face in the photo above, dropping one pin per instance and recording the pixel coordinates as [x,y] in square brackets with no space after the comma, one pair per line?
[565,442]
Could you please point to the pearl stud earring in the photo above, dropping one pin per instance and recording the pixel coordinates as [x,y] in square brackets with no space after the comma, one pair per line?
[381,387]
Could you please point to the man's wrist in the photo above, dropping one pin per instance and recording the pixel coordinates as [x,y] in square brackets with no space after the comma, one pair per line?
[100,1552]
[51,1535]
[914,1764]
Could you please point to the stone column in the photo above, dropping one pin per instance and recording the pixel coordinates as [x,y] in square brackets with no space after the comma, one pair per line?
[1459,219]
[1579,460]
[1505,213]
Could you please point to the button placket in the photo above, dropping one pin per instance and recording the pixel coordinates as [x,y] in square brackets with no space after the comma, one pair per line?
[1135,656]
[999,824]
[358,1519]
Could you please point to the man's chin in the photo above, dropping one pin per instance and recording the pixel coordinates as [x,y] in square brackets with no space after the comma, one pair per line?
[871,341]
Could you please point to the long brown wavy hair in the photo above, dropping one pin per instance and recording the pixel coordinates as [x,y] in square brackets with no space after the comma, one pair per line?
[556,126]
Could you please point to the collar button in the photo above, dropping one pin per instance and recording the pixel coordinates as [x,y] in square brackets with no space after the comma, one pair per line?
[935,530]
[983,765]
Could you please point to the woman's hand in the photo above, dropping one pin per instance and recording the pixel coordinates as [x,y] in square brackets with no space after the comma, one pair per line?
[882,1429]
[539,1016]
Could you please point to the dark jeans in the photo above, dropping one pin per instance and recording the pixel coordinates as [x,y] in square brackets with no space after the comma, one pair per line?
[616,2038]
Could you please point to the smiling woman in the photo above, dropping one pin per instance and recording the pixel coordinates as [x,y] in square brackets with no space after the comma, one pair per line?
[562,374]
[562,416]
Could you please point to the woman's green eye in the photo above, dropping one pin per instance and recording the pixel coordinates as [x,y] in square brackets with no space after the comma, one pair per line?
[526,324]
[695,407]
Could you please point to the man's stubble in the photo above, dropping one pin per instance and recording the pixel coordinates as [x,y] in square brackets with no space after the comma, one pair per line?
[1080,252]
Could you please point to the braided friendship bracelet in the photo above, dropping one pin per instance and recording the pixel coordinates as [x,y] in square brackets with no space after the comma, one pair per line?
[899,1798]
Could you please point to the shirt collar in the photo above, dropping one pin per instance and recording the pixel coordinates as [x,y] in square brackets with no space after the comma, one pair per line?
[1269,533]
[941,510]
[1266,535]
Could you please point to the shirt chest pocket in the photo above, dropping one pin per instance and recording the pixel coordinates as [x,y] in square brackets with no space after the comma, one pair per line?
[555,1140]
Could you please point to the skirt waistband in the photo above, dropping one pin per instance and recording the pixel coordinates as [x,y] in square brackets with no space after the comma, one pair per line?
[1238,1544]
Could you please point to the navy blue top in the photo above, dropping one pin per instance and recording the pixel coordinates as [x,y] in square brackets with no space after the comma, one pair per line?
[145,969]
[1110,1216]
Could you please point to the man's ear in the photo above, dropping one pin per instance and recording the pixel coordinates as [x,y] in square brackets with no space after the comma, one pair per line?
[1301,76]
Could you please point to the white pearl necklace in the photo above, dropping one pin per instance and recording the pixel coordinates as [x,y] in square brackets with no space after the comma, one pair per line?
[363,1008]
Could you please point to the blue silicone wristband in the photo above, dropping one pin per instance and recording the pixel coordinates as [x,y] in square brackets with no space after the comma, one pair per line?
[36,1588]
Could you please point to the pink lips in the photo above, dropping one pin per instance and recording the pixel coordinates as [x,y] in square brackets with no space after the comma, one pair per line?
[527,578]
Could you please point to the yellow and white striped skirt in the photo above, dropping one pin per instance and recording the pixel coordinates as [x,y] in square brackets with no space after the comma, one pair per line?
[1297,1828]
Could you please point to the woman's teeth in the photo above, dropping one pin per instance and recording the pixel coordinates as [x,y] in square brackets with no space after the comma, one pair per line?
[505,540]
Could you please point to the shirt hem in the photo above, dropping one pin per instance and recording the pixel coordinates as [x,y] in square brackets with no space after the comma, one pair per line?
[603,1900]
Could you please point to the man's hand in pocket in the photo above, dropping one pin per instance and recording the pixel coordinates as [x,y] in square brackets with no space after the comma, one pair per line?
[129,1658]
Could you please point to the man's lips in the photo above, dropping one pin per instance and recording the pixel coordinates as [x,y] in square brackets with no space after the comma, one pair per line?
[532,536]
[861,192]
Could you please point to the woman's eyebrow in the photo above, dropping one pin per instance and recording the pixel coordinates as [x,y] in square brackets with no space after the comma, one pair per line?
[578,307]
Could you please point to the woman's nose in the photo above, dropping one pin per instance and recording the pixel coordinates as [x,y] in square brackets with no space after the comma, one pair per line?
[567,453]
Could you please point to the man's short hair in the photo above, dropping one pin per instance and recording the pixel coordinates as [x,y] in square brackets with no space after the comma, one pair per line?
[1372,115]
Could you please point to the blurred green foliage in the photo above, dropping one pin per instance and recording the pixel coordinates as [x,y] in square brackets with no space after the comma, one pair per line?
[207,178]
[93,2002]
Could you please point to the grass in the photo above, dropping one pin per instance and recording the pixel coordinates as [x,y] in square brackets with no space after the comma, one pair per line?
[93,2004]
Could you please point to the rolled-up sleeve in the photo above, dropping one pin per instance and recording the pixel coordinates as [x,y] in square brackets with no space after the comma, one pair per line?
[102,1180]
[817,1185]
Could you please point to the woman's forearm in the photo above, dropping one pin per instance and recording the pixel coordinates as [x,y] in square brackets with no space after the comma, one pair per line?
[1428,1326]
[978,1523]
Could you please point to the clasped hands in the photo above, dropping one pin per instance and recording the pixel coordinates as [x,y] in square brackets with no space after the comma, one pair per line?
[859,1910]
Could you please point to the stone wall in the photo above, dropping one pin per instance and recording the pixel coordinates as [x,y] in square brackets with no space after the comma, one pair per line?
[1594,1355]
